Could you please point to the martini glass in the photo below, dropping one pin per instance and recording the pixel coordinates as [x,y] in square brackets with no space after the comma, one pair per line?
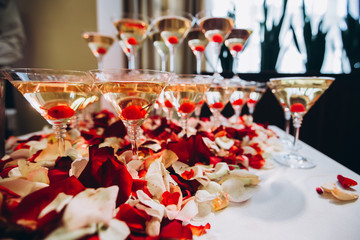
[239,97]
[216,28]
[236,42]
[161,48]
[173,27]
[259,88]
[99,45]
[132,32]
[299,94]
[217,96]
[55,94]
[132,93]
[185,91]
[197,43]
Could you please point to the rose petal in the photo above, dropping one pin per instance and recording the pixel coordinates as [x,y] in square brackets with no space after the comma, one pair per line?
[116,230]
[90,206]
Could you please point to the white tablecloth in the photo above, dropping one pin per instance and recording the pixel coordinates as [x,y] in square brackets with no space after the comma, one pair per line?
[287,205]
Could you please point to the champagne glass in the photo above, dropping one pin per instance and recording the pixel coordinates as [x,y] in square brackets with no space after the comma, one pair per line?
[259,88]
[173,27]
[236,42]
[132,32]
[132,93]
[299,94]
[161,49]
[55,94]
[216,27]
[239,97]
[185,91]
[217,96]
[197,43]
[99,45]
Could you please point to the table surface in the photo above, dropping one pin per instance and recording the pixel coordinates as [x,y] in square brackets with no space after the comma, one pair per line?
[287,205]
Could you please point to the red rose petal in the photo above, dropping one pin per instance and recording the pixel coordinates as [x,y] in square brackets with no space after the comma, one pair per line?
[187,107]
[175,230]
[187,174]
[105,170]
[173,40]
[238,102]
[61,111]
[101,50]
[256,161]
[199,230]
[31,206]
[132,41]
[237,47]
[297,107]
[319,190]
[170,198]
[200,48]
[217,38]
[117,129]
[346,182]
[133,112]
[218,105]
[134,218]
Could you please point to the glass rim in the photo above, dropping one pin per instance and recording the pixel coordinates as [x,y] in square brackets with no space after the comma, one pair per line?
[132,16]
[152,72]
[304,78]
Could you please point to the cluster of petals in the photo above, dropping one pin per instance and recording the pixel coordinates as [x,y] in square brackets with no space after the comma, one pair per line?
[98,191]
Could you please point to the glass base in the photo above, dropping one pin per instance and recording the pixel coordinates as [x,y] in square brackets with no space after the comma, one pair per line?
[295,161]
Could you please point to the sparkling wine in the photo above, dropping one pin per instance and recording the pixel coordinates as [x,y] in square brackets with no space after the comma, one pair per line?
[55,101]
[98,43]
[132,32]
[197,40]
[185,97]
[132,100]
[173,29]
[241,95]
[216,29]
[305,91]
[217,96]
[237,39]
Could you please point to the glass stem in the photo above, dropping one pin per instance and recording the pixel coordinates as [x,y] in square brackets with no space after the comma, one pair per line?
[297,120]
[287,120]
[169,115]
[163,63]
[131,59]
[133,132]
[185,125]
[237,112]
[251,108]
[217,52]
[60,134]
[198,111]
[198,56]
[216,114]
[100,62]
[172,58]
[235,63]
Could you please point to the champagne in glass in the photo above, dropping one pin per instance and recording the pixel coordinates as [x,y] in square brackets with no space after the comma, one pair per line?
[259,88]
[217,96]
[216,28]
[185,91]
[173,28]
[299,94]
[56,94]
[236,42]
[132,32]
[197,43]
[99,45]
[132,93]
[239,98]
